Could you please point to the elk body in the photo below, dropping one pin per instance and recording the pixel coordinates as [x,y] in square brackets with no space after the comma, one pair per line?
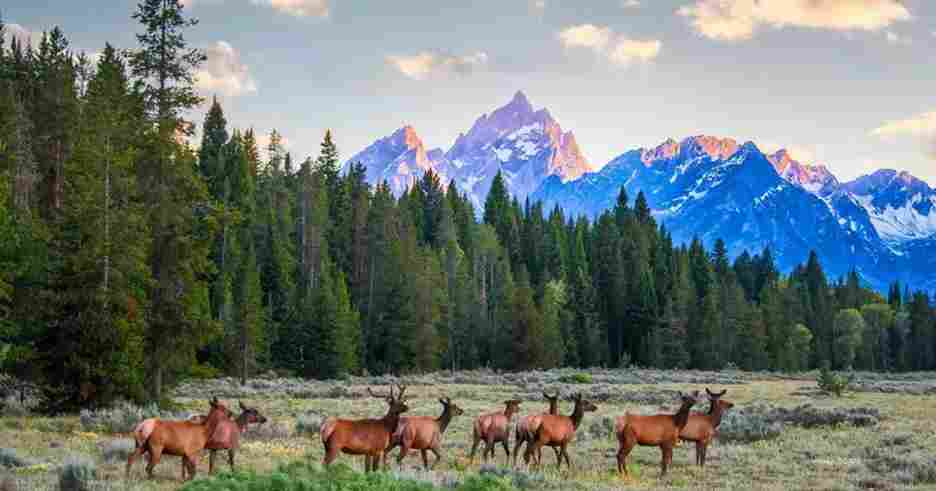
[493,428]
[558,431]
[185,439]
[660,430]
[368,437]
[424,433]
[701,428]
[526,427]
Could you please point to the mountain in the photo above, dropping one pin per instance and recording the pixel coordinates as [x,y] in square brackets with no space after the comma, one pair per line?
[525,144]
[901,207]
[712,188]
[400,159]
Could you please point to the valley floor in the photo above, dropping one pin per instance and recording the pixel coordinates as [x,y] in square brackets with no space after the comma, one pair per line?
[893,449]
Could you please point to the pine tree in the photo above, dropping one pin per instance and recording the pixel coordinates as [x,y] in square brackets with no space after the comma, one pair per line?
[178,316]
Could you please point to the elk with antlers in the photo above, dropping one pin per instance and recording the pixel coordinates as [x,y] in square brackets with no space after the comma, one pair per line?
[368,437]
[527,426]
[424,433]
[701,428]
[182,438]
[493,428]
[660,430]
[558,431]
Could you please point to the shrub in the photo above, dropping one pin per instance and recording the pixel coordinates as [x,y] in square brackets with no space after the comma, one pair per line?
[309,423]
[831,382]
[576,378]
[77,474]
[117,450]
[124,417]
[747,426]
[8,458]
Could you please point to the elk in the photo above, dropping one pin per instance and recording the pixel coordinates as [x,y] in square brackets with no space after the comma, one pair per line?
[660,430]
[182,438]
[493,428]
[424,433]
[368,437]
[526,427]
[557,431]
[227,434]
[701,428]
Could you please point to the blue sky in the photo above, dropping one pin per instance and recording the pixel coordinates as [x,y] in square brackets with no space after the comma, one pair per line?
[846,83]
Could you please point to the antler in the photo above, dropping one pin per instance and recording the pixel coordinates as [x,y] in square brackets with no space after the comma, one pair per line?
[715,394]
[380,396]
[400,390]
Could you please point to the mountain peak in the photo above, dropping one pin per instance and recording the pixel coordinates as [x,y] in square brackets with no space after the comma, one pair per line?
[407,136]
[713,146]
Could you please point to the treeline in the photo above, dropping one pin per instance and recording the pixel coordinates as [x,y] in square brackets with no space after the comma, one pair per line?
[129,259]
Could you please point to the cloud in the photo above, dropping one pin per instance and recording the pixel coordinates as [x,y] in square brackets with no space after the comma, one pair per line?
[298,8]
[921,125]
[539,5]
[630,4]
[604,41]
[735,20]
[427,64]
[22,34]
[223,72]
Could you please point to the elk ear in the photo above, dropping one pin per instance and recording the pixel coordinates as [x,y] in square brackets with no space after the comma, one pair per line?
[709,392]
[242,406]
[722,392]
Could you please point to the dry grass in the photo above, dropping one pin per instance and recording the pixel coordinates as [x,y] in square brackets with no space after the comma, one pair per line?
[880,457]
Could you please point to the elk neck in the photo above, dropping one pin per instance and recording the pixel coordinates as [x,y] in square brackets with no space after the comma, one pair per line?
[554,406]
[716,415]
[682,416]
[241,422]
[577,414]
[391,420]
[444,419]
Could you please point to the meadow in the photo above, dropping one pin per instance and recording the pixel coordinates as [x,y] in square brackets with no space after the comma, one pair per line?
[783,433]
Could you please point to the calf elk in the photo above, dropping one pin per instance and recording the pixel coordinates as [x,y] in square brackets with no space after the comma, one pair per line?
[701,428]
[368,437]
[526,427]
[660,430]
[493,428]
[558,431]
[424,433]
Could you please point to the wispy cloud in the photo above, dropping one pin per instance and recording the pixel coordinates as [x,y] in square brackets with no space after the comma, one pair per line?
[299,8]
[224,72]
[896,39]
[604,41]
[923,124]
[427,64]
[538,5]
[630,4]
[735,20]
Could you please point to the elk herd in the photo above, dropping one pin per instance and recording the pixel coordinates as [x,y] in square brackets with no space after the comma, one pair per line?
[374,438]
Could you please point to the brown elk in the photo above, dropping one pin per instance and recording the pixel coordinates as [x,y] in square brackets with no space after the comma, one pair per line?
[493,428]
[526,427]
[227,434]
[702,428]
[368,437]
[185,439]
[660,430]
[557,431]
[424,433]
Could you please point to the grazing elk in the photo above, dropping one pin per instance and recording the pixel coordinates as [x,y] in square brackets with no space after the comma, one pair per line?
[493,428]
[185,439]
[423,433]
[367,437]
[557,431]
[660,430]
[702,428]
[526,427]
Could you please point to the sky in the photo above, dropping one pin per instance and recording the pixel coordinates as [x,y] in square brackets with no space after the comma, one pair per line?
[850,84]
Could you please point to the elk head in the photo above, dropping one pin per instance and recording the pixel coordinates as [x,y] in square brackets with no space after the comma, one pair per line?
[250,415]
[586,406]
[450,406]
[396,403]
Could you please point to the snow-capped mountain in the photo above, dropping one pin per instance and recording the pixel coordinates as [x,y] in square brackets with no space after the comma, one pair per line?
[525,144]
[400,159]
[714,188]
[902,208]
[814,178]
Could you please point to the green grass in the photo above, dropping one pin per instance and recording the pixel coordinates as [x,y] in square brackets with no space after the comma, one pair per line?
[798,458]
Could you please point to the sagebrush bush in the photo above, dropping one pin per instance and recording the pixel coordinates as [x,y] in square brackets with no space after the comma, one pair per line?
[77,474]
[117,450]
[8,458]
[123,417]
[833,383]
[308,423]
[748,426]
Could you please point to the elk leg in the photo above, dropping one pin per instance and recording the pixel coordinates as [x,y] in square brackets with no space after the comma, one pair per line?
[438,457]
[193,465]
[627,445]
[507,450]
[699,449]
[231,458]
[211,461]
[137,452]
[425,457]
[517,450]
[331,453]
[155,455]
[704,453]
[474,447]
[404,451]
[667,451]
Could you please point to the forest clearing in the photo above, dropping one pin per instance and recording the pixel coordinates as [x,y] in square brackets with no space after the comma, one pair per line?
[782,433]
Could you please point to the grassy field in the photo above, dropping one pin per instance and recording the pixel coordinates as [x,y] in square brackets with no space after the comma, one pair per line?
[880,436]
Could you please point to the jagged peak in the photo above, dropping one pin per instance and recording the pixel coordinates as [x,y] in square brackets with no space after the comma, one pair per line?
[407,136]
[715,147]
